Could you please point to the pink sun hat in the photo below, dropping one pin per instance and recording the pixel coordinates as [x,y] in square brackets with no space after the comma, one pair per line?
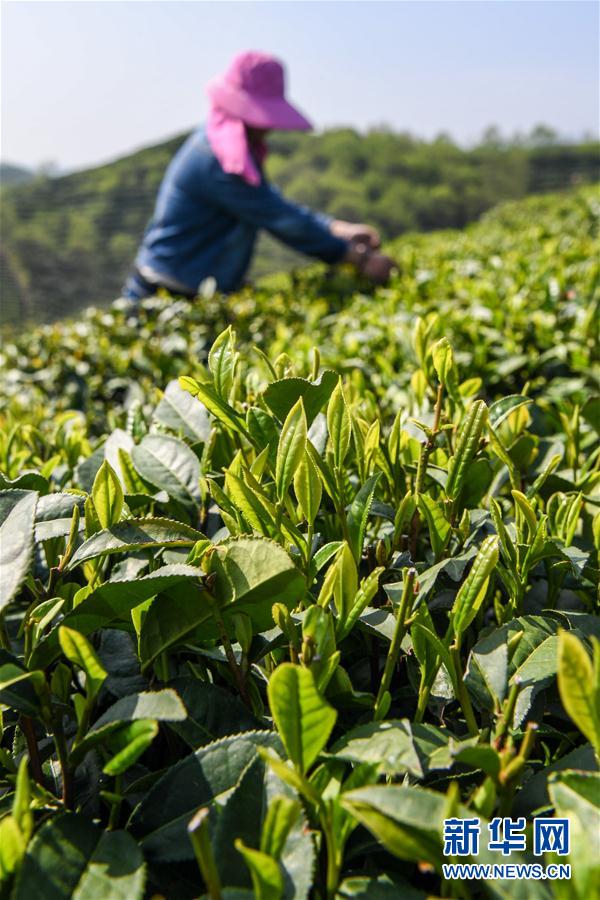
[253,90]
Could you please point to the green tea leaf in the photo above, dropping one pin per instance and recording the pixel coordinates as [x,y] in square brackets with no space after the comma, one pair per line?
[290,452]
[107,495]
[136,534]
[303,718]
[180,412]
[308,489]
[577,687]
[472,592]
[358,515]
[80,652]
[339,425]
[221,362]
[267,880]
[281,396]
[501,409]
[169,464]
[16,541]
[72,857]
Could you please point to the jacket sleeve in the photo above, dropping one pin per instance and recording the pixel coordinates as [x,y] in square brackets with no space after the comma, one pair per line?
[264,206]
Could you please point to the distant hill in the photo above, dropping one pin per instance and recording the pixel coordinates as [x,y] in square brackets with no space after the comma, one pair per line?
[10,174]
[68,242]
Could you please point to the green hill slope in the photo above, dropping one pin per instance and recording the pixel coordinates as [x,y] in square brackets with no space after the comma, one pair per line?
[69,241]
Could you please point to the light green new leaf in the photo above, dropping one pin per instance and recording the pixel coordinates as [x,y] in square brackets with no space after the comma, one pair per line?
[157,706]
[345,583]
[127,744]
[267,879]
[473,590]
[358,515]
[575,796]
[577,687]
[290,451]
[438,525]
[214,403]
[339,425]
[12,847]
[303,718]
[466,447]
[222,359]
[80,652]
[107,495]
[308,488]
[281,815]
[445,368]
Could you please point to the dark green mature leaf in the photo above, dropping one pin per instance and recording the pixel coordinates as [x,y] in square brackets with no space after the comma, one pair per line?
[136,534]
[72,857]
[408,821]
[172,618]
[16,540]
[179,411]
[253,573]
[206,777]
[395,746]
[169,464]
[28,480]
[534,662]
[244,815]
[281,395]
[110,601]
[534,794]
[18,685]
[54,513]
[148,706]
[212,712]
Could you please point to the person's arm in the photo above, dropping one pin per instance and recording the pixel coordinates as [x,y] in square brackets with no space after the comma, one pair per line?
[314,234]
[264,207]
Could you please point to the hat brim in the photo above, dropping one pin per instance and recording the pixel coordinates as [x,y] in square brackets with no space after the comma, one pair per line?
[258,112]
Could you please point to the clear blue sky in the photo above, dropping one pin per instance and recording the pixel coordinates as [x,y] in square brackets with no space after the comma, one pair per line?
[83,82]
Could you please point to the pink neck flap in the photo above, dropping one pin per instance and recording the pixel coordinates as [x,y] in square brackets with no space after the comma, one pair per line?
[229,142]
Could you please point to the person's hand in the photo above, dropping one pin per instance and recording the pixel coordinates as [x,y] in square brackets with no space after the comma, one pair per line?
[375,266]
[378,267]
[358,234]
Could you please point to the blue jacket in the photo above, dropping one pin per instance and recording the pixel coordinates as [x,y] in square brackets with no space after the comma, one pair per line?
[206,221]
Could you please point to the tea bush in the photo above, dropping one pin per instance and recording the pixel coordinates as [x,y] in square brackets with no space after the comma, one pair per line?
[291,577]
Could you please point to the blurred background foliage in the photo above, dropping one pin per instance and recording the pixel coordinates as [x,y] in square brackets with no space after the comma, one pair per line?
[69,241]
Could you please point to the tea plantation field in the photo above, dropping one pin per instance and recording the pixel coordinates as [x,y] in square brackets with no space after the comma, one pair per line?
[292,577]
